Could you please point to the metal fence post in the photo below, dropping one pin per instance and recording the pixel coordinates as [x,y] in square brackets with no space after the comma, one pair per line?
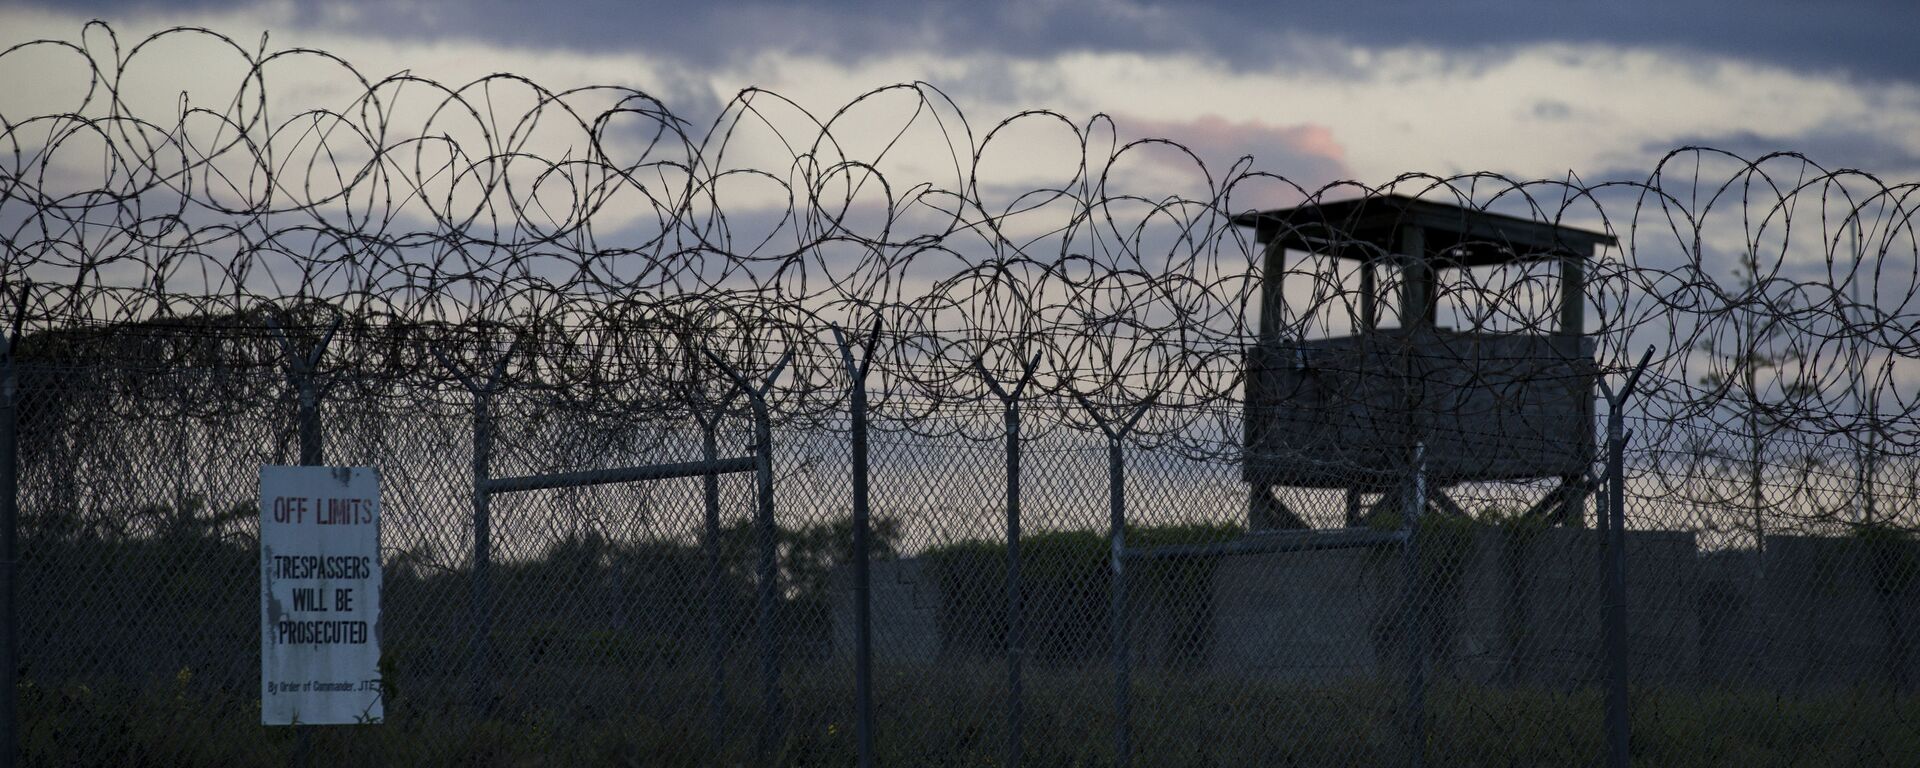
[708,416]
[1414,617]
[480,603]
[716,647]
[769,538]
[1117,610]
[1117,551]
[312,453]
[767,591]
[862,553]
[1016,609]
[1614,611]
[1616,604]
[480,599]
[1016,613]
[10,540]
[303,374]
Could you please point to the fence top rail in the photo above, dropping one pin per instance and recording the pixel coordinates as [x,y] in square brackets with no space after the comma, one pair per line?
[617,475]
[1274,541]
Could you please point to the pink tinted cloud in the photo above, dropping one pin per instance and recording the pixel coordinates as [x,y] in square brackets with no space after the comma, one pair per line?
[1306,153]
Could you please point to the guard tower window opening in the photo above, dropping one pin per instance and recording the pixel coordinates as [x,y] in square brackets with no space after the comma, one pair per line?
[1336,293]
[1516,297]
[1520,297]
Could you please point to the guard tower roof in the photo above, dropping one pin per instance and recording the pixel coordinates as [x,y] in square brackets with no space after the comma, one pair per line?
[1369,228]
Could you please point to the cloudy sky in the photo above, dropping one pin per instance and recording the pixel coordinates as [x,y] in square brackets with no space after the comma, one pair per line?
[1315,91]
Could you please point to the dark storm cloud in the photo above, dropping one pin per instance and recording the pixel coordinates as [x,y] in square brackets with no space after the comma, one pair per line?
[1829,147]
[1871,39]
[1865,39]
[1832,147]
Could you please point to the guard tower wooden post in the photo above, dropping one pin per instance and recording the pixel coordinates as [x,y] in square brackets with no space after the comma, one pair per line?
[1346,412]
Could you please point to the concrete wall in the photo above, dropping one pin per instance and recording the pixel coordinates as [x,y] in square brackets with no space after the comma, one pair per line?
[1300,615]
[905,612]
[1838,612]
[1810,613]
[1501,610]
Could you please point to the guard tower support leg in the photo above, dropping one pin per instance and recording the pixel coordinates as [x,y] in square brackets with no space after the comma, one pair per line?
[1417,305]
[1573,329]
[1265,511]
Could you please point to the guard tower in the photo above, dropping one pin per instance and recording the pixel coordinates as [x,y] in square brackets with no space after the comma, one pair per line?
[1346,412]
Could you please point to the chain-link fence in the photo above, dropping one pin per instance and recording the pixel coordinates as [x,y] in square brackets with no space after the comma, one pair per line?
[1767,616]
[1385,477]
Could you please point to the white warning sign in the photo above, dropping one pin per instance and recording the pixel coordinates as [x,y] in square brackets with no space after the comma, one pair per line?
[319,595]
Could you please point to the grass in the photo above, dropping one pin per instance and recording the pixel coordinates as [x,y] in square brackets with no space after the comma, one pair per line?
[954,715]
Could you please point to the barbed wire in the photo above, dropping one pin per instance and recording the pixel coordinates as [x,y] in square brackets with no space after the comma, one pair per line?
[604,241]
